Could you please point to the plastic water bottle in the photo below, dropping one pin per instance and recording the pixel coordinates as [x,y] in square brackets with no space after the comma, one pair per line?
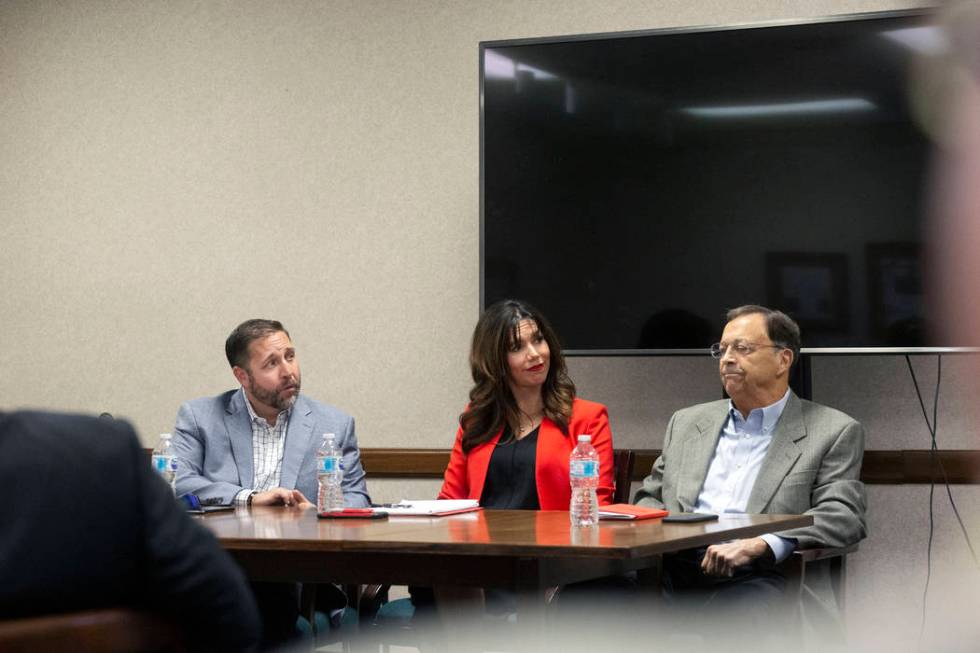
[165,461]
[330,475]
[583,473]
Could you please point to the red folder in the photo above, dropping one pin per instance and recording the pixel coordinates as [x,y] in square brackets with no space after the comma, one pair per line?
[627,511]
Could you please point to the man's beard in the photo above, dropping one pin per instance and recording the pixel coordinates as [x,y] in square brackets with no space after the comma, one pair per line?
[272,397]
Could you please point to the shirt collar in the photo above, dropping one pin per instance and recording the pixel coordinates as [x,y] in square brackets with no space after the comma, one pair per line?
[253,418]
[761,420]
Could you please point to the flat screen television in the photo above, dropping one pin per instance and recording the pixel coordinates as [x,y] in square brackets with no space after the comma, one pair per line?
[635,186]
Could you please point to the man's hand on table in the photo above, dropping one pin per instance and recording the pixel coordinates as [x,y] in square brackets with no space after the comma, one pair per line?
[280,496]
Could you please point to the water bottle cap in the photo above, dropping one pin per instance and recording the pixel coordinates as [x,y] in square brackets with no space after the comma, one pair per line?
[585,438]
[165,436]
[329,436]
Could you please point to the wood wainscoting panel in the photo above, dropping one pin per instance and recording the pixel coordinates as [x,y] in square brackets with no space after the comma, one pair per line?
[881,466]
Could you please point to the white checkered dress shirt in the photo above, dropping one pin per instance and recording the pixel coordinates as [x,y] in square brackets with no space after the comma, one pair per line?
[267,444]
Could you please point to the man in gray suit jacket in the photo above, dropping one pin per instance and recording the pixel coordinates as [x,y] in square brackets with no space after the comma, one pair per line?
[257,445]
[765,451]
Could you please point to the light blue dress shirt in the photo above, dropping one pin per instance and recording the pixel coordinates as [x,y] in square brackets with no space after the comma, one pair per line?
[738,458]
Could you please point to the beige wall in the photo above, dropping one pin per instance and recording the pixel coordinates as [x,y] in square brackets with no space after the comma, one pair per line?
[168,169]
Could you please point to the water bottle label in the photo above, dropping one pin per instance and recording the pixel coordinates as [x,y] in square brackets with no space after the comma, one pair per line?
[329,465]
[583,469]
[165,463]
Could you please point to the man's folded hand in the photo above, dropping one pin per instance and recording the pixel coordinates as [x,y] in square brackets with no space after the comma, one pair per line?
[722,559]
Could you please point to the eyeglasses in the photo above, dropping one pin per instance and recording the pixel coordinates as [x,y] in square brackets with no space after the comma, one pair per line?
[740,347]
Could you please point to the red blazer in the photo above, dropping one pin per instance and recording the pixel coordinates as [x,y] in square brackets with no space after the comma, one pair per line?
[467,472]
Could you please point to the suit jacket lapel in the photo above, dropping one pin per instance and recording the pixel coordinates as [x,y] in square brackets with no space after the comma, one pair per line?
[240,434]
[698,452]
[477,463]
[783,453]
[297,444]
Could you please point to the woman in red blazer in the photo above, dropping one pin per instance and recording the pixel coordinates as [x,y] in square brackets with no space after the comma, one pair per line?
[523,415]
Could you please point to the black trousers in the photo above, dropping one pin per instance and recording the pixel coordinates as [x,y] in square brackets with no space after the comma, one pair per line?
[279,606]
[733,610]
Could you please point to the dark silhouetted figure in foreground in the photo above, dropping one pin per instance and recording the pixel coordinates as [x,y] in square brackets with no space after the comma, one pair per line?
[87,524]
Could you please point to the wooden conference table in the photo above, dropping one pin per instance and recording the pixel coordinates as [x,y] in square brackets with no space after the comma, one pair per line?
[527,551]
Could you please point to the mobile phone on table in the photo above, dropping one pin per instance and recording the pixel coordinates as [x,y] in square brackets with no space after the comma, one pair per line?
[353,513]
[689,517]
[197,506]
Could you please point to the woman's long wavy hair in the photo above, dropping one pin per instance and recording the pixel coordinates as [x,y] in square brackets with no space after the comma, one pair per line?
[492,404]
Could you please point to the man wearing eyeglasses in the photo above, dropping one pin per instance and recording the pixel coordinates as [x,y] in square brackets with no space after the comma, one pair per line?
[763,451]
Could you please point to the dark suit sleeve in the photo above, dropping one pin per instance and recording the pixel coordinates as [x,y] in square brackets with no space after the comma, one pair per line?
[190,575]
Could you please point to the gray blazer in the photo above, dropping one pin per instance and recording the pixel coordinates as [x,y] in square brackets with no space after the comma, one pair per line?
[213,438]
[812,467]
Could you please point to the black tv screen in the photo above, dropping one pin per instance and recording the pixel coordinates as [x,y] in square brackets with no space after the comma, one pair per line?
[636,186]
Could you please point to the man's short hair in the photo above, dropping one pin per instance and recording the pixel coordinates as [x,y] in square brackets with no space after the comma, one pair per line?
[780,328]
[236,346]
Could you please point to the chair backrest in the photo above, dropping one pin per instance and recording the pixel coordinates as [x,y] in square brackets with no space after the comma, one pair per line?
[623,461]
[92,631]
